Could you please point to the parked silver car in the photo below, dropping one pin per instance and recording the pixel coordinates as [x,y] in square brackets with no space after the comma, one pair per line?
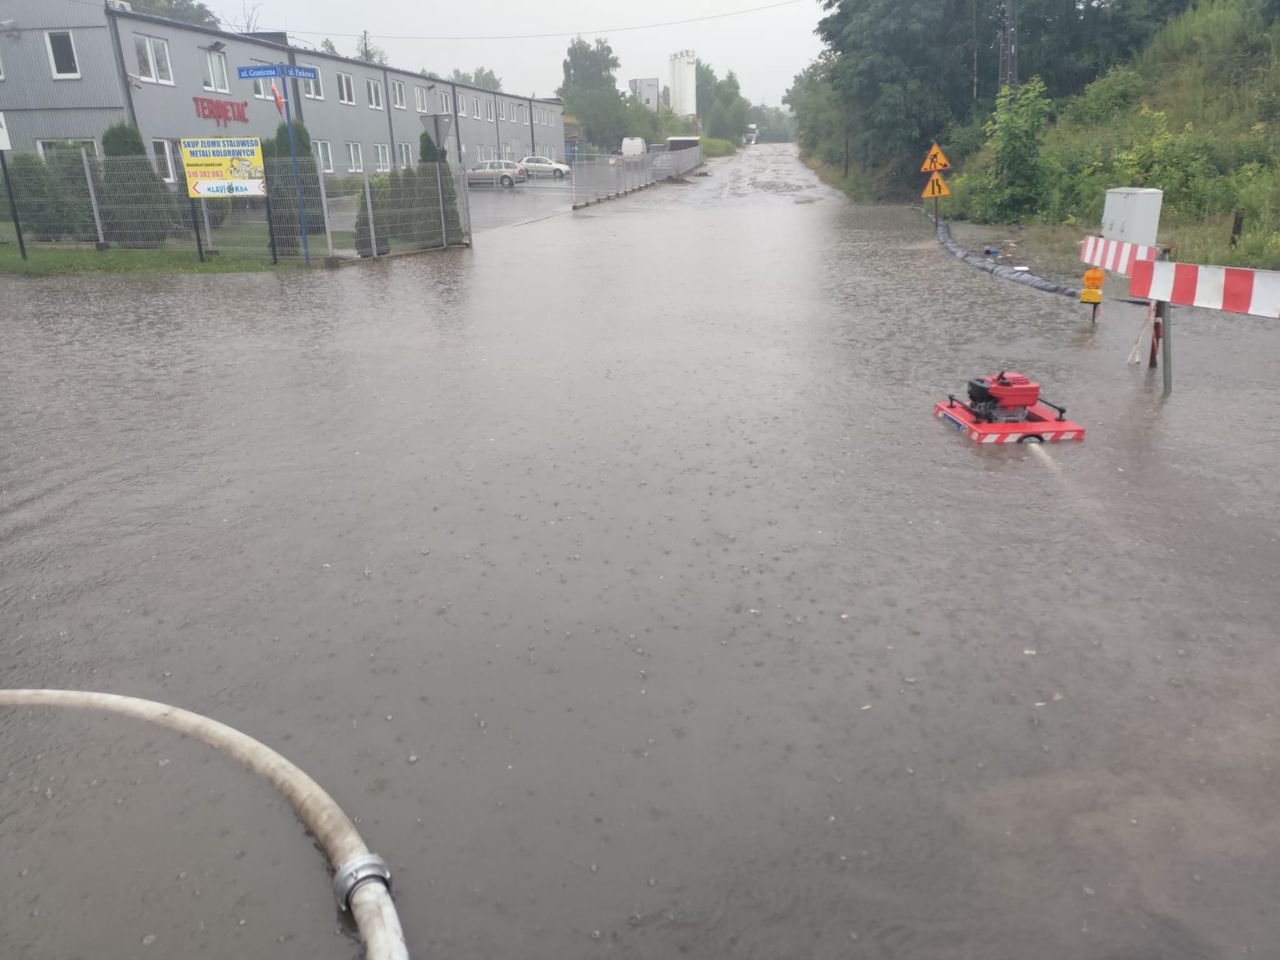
[497,173]
[546,167]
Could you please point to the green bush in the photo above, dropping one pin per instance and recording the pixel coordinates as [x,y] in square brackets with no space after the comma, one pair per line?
[138,208]
[123,140]
[714,147]
[36,200]
[427,151]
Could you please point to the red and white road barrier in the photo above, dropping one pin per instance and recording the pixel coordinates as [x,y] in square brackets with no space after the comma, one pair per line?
[1114,255]
[1233,289]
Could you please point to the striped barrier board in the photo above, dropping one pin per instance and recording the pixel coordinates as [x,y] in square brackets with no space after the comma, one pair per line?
[1231,289]
[1115,255]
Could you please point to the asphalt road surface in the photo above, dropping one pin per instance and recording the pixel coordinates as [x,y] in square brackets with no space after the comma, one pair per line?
[616,577]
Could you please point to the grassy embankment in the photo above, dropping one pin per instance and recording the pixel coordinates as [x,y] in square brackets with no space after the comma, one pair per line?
[858,186]
[711,147]
[51,260]
[1196,114]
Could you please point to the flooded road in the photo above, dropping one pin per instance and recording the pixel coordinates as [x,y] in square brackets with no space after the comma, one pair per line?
[616,577]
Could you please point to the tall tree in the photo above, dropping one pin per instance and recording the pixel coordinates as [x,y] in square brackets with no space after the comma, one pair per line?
[589,66]
[188,11]
[328,46]
[705,85]
[481,77]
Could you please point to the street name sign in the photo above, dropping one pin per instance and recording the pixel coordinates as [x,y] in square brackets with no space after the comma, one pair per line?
[269,71]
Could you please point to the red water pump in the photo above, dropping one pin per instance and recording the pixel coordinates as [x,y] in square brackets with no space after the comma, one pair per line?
[1007,408]
[1003,398]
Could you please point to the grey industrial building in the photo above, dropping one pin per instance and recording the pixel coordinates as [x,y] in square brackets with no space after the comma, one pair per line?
[71,68]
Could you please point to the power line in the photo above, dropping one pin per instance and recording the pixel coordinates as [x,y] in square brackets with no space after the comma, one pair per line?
[564,33]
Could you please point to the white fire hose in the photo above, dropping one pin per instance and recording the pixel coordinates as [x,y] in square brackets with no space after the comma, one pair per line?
[361,880]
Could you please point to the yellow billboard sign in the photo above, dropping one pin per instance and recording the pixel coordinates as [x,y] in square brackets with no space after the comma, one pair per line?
[224,167]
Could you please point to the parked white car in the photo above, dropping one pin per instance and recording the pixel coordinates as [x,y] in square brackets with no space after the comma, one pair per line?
[546,167]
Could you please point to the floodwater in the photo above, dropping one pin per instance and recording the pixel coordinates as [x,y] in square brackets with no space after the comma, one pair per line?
[617,578]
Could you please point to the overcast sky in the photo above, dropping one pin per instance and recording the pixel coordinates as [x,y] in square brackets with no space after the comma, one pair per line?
[765,48]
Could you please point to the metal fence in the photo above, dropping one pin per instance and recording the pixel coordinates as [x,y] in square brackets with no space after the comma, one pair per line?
[68,198]
[601,176]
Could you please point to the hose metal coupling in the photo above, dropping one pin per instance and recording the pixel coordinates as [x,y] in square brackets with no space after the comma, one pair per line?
[356,872]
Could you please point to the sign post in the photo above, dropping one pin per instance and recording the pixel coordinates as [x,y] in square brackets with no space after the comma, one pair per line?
[935,162]
[5,147]
[221,167]
[287,72]
[1092,292]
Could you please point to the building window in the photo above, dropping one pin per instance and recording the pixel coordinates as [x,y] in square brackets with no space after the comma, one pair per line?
[475,107]
[312,89]
[324,153]
[215,71]
[397,94]
[488,110]
[62,55]
[384,156]
[152,55]
[524,114]
[1,69]
[346,88]
[162,150]
[444,103]
[502,110]
[462,105]
[260,89]
[373,90]
[355,158]
[420,98]
[479,152]
[406,156]
[47,148]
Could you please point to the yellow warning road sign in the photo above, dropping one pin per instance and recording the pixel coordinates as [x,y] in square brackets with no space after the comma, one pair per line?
[936,187]
[1090,295]
[936,160]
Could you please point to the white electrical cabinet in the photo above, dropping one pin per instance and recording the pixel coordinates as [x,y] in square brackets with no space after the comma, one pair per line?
[1132,215]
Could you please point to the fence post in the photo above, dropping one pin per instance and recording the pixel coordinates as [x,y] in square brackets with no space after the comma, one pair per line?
[1166,345]
[208,227]
[444,224]
[368,206]
[13,204]
[195,226]
[466,205]
[93,199]
[324,206]
[271,227]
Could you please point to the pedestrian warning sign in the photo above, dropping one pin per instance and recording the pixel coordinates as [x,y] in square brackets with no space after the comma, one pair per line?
[936,187]
[936,160]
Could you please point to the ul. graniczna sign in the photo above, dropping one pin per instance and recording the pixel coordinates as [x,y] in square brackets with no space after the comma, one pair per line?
[223,111]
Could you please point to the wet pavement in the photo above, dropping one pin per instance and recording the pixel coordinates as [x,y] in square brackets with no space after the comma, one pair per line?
[526,202]
[616,577]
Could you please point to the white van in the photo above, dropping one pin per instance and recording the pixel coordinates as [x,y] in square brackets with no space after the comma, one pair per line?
[633,148]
